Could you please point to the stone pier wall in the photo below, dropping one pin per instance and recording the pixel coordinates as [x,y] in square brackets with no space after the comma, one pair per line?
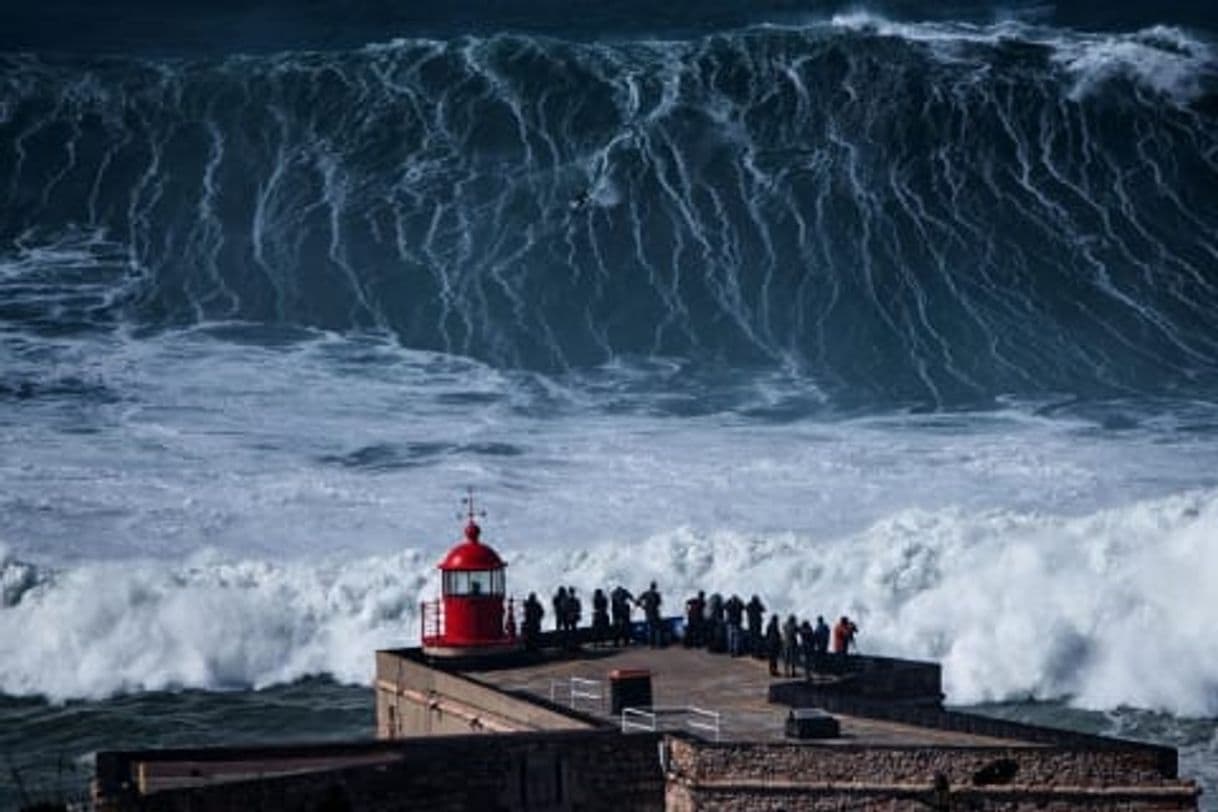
[709,777]
[415,699]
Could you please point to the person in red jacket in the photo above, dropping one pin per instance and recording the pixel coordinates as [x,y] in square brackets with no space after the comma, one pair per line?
[843,636]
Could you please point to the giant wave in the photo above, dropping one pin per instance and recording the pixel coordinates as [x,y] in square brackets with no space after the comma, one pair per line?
[931,213]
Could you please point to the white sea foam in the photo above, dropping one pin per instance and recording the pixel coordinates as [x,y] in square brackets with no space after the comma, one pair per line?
[16,578]
[1165,59]
[1107,609]
[1015,604]
[105,628]
[203,524]
[866,21]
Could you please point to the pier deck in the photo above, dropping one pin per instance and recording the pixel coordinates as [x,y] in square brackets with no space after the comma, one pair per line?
[734,687]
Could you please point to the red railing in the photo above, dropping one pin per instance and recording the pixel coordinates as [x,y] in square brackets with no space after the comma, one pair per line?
[431,617]
[431,621]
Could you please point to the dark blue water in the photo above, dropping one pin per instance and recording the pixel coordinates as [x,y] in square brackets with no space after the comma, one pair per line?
[907,305]
[47,750]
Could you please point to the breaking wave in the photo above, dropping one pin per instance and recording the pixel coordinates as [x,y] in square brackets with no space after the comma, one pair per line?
[942,213]
[1016,605]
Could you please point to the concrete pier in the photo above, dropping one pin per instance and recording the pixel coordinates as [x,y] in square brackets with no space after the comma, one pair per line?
[536,731]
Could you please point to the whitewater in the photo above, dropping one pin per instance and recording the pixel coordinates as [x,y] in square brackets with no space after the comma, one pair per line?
[218,530]
[904,320]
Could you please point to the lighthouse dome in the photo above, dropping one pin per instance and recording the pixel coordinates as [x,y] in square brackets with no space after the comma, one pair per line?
[471,554]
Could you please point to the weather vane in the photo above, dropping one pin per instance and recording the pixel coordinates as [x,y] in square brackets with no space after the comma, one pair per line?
[468,501]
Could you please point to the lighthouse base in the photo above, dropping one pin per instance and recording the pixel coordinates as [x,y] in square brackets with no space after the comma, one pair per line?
[473,651]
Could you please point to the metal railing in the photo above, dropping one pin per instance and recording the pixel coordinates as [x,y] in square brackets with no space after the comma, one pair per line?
[701,721]
[577,689]
[707,721]
[431,619]
[638,719]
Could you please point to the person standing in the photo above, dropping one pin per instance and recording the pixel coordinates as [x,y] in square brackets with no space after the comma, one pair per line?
[773,644]
[734,610]
[789,645]
[807,637]
[715,636]
[574,611]
[651,601]
[600,617]
[820,643]
[843,636]
[533,613]
[755,612]
[620,600]
[695,620]
[559,604]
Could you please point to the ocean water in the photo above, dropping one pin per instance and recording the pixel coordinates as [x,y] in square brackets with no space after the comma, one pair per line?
[903,311]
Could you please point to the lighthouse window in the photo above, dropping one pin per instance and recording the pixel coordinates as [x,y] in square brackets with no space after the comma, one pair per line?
[456,583]
[481,582]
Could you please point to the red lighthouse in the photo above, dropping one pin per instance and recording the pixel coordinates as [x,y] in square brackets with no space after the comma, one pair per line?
[468,619]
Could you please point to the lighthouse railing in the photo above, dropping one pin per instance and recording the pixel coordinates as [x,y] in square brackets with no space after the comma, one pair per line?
[431,620]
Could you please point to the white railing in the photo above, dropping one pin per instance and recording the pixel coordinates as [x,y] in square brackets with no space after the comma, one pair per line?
[707,721]
[703,722]
[590,690]
[638,719]
[576,689]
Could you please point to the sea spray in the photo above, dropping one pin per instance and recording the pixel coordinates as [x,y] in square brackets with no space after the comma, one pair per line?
[1015,605]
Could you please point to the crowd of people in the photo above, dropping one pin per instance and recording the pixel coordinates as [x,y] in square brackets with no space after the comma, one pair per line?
[611,617]
[725,625]
[734,627]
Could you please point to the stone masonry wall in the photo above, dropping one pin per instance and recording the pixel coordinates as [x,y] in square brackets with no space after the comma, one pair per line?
[807,777]
[681,798]
[838,763]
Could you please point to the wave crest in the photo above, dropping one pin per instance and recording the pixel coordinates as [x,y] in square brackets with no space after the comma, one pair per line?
[1164,59]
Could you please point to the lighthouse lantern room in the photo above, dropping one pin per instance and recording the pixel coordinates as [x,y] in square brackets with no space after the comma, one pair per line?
[469,618]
